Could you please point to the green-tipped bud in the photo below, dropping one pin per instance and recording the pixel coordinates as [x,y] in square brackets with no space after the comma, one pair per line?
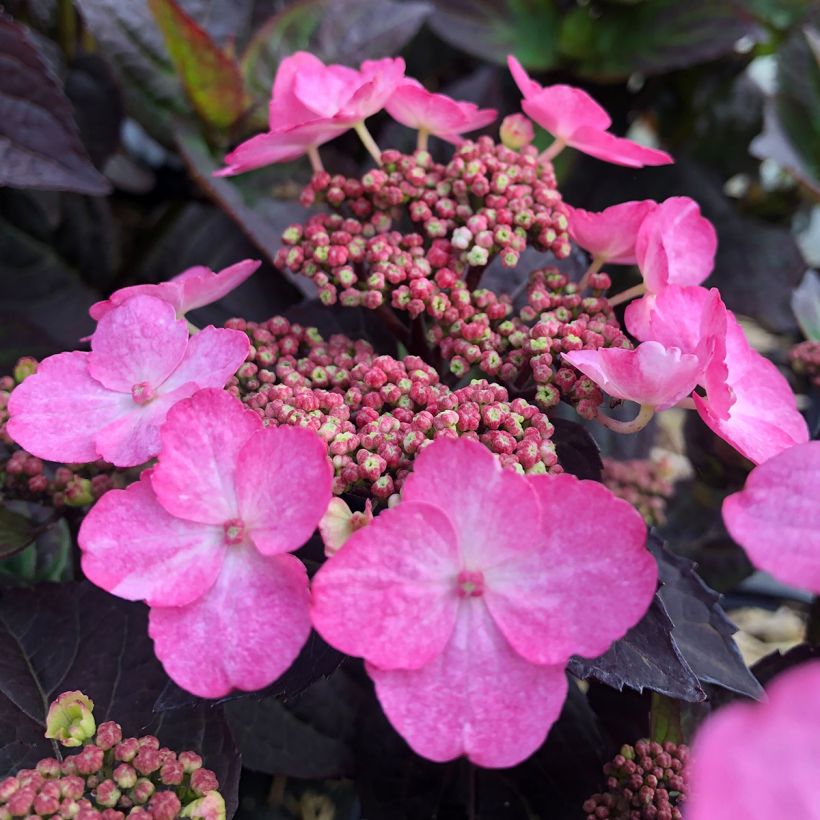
[25,367]
[209,807]
[70,719]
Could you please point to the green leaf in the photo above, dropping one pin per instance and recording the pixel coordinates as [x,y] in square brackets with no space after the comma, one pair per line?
[211,77]
[16,532]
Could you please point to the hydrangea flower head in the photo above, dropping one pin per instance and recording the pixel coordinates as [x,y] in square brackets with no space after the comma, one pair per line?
[610,235]
[110,403]
[437,114]
[776,516]
[193,288]
[467,599]
[759,761]
[204,539]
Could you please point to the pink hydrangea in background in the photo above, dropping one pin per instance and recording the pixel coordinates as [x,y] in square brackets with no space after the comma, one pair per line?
[469,597]
[577,121]
[193,288]
[760,761]
[204,539]
[776,516]
[110,403]
[610,235]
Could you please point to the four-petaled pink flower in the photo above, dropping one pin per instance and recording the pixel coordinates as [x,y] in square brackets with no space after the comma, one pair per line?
[311,104]
[759,761]
[193,288]
[437,114]
[675,245]
[577,121]
[204,539]
[776,516]
[609,235]
[467,599]
[110,403]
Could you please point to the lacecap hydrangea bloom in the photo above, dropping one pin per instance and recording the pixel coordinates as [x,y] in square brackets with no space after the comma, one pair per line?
[468,598]
[204,538]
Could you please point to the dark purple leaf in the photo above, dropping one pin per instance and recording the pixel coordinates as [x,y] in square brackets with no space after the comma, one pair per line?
[778,661]
[577,451]
[40,144]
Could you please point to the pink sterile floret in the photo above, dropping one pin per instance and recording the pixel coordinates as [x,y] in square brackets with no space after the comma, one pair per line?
[776,516]
[574,118]
[193,288]
[675,245]
[416,107]
[110,403]
[204,539]
[759,761]
[468,598]
[651,374]
[313,103]
[610,234]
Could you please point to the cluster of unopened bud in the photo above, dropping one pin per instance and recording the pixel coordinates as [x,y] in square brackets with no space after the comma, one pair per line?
[805,360]
[110,777]
[646,781]
[644,483]
[377,412]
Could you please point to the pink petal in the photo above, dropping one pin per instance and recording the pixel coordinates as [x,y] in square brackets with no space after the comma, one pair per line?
[676,245]
[389,594]
[286,108]
[651,374]
[56,413]
[207,287]
[466,482]
[567,596]
[527,87]
[760,761]
[134,549]
[414,106]
[382,78]
[201,441]
[564,110]
[776,516]
[167,291]
[140,341]
[610,234]
[618,150]
[213,355]
[243,633]
[283,486]
[477,698]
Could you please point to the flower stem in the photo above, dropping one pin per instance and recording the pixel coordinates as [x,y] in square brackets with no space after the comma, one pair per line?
[192,328]
[687,403]
[594,266]
[421,142]
[367,140]
[552,151]
[638,423]
[315,159]
[626,295]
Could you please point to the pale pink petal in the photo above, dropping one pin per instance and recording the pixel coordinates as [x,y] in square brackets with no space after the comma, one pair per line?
[617,150]
[776,516]
[527,87]
[283,486]
[651,374]
[676,245]
[56,413]
[134,549]
[477,698]
[324,91]
[382,77]
[213,355]
[201,441]
[141,341]
[243,633]
[566,595]
[610,234]
[759,761]
[414,106]
[167,291]
[565,111]
[465,480]
[286,108]
[206,286]
[390,593]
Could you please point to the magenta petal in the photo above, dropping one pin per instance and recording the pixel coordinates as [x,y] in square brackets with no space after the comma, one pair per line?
[201,441]
[466,482]
[139,341]
[776,516]
[56,413]
[134,549]
[527,87]
[207,287]
[243,633]
[601,144]
[564,110]
[283,487]
[213,355]
[568,596]
[167,291]
[478,697]
[610,235]
[760,761]
[389,594]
